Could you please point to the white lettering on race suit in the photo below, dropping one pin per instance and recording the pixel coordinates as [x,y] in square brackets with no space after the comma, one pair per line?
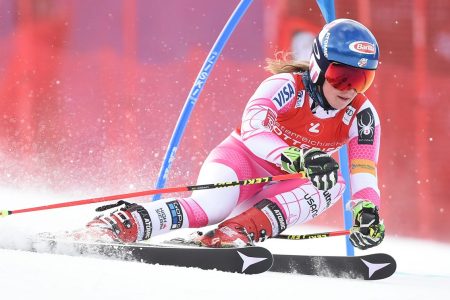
[302,142]
[284,95]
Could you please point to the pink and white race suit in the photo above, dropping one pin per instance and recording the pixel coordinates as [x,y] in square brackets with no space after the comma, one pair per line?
[280,114]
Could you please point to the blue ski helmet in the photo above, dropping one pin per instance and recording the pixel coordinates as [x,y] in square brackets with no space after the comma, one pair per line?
[346,42]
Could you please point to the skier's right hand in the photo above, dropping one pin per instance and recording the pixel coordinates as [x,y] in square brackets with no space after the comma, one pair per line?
[318,166]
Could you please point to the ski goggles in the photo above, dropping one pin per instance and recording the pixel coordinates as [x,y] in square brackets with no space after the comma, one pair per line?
[343,77]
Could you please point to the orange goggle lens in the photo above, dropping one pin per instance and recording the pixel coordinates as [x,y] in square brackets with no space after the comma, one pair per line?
[344,77]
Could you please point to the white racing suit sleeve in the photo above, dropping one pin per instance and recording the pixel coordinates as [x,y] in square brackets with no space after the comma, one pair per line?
[257,132]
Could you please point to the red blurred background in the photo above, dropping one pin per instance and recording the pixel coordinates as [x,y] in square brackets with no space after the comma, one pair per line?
[89,96]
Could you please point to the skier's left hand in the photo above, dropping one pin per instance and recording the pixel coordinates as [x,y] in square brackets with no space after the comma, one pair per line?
[368,230]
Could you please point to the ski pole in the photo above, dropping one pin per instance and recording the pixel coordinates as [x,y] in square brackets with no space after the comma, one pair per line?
[311,235]
[4,213]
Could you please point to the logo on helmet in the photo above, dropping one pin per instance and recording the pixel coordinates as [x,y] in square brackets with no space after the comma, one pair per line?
[362,62]
[325,44]
[362,47]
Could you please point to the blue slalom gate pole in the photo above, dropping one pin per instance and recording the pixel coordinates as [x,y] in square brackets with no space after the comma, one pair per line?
[327,9]
[328,12]
[196,90]
[348,218]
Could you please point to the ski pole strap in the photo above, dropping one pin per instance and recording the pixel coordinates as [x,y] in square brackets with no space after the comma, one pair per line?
[311,235]
[109,206]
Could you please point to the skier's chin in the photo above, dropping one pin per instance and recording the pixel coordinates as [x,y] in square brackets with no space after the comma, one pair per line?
[339,102]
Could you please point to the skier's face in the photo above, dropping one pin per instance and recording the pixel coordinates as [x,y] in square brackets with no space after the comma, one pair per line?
[338,99]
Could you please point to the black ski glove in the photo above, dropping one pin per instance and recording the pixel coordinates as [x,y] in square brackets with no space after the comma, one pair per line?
[318,166]
[368,230]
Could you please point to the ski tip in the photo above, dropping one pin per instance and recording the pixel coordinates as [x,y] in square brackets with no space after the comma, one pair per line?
[379,266]
[367,267]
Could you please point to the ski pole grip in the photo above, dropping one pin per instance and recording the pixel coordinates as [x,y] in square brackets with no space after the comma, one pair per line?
[4,213]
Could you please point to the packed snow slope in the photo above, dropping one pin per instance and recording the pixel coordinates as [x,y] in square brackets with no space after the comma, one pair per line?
[423,270]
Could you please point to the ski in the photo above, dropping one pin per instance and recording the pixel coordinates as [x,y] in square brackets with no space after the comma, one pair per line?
[248,260]
[367,267]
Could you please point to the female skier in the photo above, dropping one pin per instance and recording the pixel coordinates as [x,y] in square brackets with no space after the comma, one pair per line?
[293,123]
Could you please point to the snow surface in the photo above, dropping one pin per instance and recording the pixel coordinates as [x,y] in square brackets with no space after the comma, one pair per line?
[423,267]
